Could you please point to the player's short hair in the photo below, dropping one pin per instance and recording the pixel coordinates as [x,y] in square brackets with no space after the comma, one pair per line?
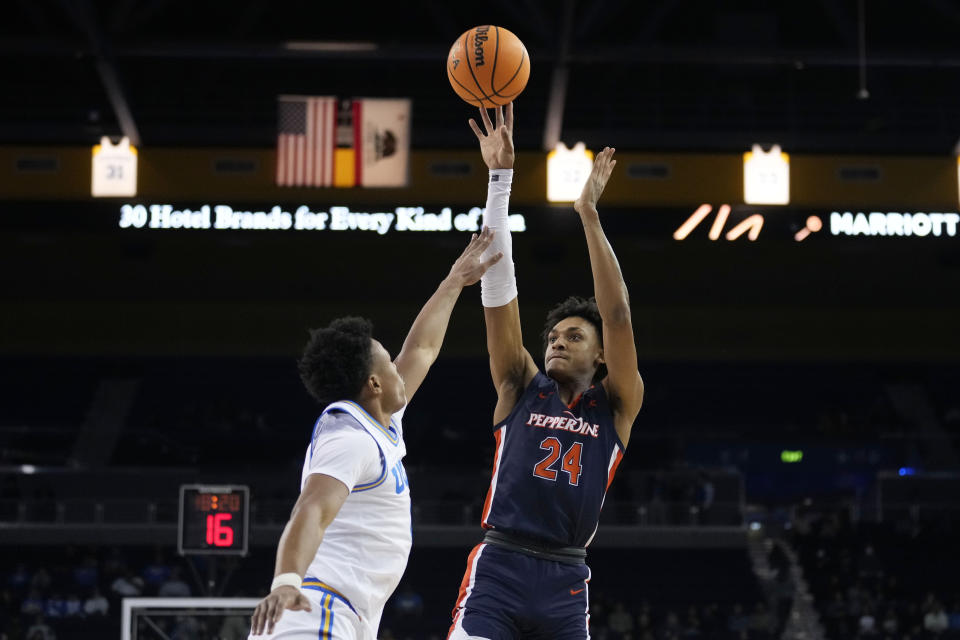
[337,360]
[585,308]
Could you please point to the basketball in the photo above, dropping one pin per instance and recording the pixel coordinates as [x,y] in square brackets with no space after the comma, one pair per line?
[488,66]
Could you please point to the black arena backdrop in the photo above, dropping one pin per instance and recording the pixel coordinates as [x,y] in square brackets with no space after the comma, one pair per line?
[120,284]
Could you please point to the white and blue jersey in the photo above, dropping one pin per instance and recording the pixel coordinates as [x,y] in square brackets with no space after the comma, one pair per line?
[364,550]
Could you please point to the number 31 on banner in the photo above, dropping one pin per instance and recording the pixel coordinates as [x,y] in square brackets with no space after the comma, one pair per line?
[114,169]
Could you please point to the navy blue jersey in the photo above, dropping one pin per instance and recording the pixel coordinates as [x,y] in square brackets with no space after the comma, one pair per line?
[553,465]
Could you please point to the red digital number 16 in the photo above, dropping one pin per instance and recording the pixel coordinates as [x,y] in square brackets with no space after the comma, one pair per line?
[219,534]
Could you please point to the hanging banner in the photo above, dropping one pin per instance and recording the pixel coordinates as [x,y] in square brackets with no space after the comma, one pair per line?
[381,129]
[114,169]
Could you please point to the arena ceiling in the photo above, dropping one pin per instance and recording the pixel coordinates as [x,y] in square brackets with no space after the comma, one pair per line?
[823,75]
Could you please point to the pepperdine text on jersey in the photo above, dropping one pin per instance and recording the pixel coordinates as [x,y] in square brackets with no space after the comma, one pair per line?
[564,423]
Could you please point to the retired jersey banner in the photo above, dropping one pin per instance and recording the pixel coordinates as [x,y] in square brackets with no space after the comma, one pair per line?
[381,130]
[306,139]
[114,168]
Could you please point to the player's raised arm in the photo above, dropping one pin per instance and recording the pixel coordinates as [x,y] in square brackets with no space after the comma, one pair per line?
[511,366]
[422,344]
[623,382]
[319,503]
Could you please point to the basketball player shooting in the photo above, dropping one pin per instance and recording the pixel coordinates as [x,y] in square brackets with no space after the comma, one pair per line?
[346,544]
[559,435]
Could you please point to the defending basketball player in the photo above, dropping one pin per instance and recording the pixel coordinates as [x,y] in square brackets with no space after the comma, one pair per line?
[346,544]
[559,435]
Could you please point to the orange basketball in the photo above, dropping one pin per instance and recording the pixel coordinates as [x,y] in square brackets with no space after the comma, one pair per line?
[488,66]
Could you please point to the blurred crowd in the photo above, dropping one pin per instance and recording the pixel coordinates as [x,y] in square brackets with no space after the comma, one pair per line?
[78,594]
[881,581]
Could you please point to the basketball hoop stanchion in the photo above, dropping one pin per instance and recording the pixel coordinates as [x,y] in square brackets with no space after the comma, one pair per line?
[211,586]
[214,521]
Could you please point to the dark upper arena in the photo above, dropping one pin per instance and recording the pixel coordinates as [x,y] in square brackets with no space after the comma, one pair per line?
[794,471]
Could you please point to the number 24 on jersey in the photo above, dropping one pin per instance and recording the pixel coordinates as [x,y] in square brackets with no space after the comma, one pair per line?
[570,463]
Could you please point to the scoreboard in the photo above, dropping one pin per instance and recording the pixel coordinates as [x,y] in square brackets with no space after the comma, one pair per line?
[214,520]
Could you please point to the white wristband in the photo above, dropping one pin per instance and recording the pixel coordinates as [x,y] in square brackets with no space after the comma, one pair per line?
[287,580]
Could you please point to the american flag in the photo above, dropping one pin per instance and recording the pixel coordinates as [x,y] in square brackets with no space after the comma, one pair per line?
[306,139]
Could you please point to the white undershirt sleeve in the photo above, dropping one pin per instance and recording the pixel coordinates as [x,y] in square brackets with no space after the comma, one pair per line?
[498,286]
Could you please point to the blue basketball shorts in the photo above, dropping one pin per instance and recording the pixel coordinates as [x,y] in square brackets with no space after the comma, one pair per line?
[507,595]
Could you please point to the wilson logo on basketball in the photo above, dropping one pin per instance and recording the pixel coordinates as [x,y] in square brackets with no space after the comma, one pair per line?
[479,37]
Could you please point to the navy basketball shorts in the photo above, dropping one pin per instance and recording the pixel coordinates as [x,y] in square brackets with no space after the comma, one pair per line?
[507,595]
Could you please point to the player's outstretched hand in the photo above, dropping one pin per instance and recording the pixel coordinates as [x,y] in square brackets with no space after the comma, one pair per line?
[592,190]
[496,146]
[269,610]
[470,266]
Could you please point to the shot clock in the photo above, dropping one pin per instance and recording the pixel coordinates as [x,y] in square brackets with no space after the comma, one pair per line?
[213,519]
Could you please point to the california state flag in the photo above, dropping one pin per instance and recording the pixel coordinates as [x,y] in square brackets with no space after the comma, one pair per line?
[381,142]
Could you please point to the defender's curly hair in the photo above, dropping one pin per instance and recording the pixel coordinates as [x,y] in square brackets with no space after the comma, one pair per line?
[337,360]
[585,308]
